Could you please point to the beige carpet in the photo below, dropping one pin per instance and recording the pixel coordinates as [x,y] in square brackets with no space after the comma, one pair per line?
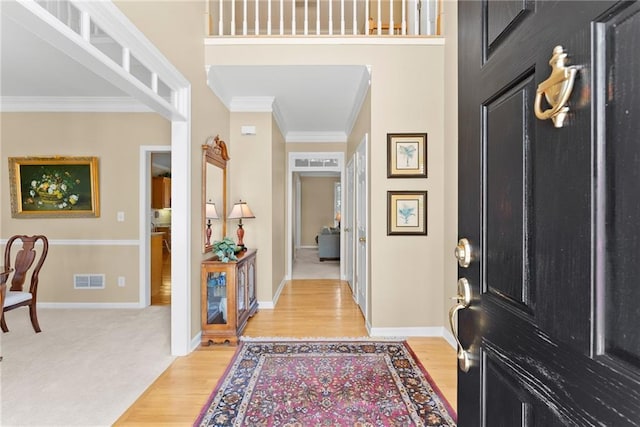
[85,368]
[307,265]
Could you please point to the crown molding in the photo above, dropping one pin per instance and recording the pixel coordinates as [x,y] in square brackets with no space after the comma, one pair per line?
[94,104]
[251,104]
[316,137]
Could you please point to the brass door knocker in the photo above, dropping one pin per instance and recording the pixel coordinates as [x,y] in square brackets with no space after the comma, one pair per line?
[556,89]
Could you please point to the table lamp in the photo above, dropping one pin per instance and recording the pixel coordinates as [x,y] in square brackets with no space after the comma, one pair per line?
[210,213]
[239,211]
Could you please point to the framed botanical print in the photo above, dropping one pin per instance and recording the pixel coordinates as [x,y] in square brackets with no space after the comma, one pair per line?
[406,155]
[406,213]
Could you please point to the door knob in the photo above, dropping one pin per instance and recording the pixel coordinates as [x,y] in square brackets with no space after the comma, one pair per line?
[463,253]
[362,239]
[464,300]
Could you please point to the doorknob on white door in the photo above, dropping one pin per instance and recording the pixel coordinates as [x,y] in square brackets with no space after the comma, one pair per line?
[362,239]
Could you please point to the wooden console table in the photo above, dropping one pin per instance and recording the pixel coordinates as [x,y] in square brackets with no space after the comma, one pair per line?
[228,297]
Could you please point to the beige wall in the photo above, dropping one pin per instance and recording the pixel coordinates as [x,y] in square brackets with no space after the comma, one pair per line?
[316,206]
[407,95]
[176,28]
[115,139]
[278,208]
[251,179]
[450,17]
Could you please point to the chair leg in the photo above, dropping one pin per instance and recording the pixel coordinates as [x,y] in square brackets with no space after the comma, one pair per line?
[3,324]
[34,317]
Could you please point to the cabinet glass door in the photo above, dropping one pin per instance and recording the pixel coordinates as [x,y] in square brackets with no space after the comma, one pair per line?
[252,282]
[217,298]
[242,281]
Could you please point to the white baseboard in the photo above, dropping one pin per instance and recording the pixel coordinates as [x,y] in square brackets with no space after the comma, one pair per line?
[196,341]
[427,331]
[447,335]
[270,305]
[91,305]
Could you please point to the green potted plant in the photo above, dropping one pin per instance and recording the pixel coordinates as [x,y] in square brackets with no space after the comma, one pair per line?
[225,249]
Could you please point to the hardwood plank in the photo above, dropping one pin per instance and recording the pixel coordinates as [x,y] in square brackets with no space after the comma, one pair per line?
[306,308]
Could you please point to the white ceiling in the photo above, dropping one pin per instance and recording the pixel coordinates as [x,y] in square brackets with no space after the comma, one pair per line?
[311,103]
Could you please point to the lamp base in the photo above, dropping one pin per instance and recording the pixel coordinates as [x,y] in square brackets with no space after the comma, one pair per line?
[240,234]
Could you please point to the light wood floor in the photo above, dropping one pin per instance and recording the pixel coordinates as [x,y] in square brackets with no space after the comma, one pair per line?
[163,296]
[306,308]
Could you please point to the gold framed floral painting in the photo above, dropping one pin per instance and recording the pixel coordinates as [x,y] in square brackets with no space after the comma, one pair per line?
[54,187]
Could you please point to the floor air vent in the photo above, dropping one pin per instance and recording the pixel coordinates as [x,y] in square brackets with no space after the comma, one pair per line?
[88,281]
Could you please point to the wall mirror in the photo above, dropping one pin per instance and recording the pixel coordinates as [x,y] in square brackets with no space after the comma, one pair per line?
[214,191]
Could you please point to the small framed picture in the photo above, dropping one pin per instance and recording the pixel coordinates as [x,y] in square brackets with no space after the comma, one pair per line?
[54,187]
[407,213]
[406,155]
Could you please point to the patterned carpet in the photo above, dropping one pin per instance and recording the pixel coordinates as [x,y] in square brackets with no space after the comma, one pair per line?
[326,383]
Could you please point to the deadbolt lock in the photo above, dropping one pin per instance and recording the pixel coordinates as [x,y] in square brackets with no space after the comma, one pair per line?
[463,253]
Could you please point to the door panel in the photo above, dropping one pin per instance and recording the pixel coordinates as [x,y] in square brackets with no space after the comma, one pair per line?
[505,403]
[552,215]
[622,270]
[508,124]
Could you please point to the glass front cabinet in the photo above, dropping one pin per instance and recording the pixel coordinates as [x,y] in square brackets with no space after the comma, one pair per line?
[228,297]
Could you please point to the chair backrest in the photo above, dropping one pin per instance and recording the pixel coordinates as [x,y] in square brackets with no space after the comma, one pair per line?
[24,259]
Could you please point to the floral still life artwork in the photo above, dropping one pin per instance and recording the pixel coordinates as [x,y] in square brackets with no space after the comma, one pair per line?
[54,187]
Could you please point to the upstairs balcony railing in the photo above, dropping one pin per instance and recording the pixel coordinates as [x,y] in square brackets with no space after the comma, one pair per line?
[322,17]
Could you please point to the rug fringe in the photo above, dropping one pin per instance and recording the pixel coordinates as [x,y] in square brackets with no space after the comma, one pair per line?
[355,339]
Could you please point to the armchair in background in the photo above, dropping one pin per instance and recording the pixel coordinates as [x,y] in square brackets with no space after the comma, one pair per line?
[329,244]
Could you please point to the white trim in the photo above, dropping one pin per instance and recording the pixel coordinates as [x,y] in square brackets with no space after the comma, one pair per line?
[88,305]
[116,24]
[417,331]
[311,40]
[46,26]
[251,104]
[144,221]
[316,137]
[81,242]
[71,104]
[270,305]
[181,260]
[361,95]
[448,336]
[291,211]
[196,341]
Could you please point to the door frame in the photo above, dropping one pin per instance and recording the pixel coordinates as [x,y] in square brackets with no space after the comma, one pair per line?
[362,254]
[292,209]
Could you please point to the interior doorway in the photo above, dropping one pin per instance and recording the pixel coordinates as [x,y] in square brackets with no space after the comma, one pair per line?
[327,168]
[155,225]
[160,261]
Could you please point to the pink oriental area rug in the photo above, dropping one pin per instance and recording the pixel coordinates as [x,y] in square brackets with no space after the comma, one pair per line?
[326,383]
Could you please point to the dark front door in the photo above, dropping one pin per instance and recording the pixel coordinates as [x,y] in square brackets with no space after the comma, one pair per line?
[552,214]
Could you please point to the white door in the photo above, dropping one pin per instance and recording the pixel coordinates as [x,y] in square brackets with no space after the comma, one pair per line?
[347,223]
[362,189]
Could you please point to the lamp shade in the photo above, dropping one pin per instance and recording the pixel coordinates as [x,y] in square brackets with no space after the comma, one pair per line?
[210,211]
[241,210]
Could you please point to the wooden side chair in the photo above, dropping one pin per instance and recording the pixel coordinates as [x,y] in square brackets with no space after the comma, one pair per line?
[25,258]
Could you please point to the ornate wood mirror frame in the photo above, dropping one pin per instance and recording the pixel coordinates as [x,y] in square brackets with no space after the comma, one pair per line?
[214,188]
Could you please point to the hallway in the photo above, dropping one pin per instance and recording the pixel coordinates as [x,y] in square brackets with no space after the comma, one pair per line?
[306,308]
